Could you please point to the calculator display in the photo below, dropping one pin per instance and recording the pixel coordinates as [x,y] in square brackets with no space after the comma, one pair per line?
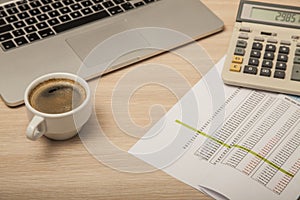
[278,16]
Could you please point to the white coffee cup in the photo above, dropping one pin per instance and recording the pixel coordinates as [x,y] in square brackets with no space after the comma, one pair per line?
[58,126]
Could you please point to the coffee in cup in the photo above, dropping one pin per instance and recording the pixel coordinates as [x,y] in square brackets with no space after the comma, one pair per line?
[58,105]
[56,96]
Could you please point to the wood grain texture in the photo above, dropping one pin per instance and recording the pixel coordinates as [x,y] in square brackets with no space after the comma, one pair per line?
[47,169]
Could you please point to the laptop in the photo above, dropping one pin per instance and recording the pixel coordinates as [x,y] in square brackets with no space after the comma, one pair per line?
[43,36]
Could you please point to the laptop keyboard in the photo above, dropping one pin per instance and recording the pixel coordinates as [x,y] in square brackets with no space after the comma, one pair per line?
[26,21]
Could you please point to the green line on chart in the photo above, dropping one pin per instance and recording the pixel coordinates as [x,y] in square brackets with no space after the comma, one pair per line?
[236,146]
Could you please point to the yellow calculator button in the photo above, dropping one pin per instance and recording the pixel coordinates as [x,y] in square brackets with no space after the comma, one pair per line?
[238,59]
[235,67]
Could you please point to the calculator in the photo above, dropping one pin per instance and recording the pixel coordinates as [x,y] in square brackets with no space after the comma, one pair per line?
[264,52]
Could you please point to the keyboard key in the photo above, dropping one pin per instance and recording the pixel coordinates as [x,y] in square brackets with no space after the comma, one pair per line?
[250,70]
[46,1]
[296,73]
[23,15]
[21,41]
[46,8]
[8,45]
[279,74]
[265,72]
[86,3]
[33,37]
[253,62]
[255,54]
[65,10]
[35,4]
[10,5]
[148,1]
[270,48]
[65,18]
[57,5]
[115,10]
[42,17]
[19,24]
[98,1]
[53,21]
[11,19]
[118,1]
[76,14]
[46,33]
[76,6]
[6,28]
[3,14]
[138,4]
[269,56]
[97,7]
[23,7]
[282,58]
[81,21]
[35,11]
[281,66]
[108,4]
[42,25]
[68,2]
[127,6]
[31,21]
[267,63]
[86,11]
[257,46]
[53,13]
[2,22]
[18,33]
[29,29]
[21,2]
[5,36]
[12,11]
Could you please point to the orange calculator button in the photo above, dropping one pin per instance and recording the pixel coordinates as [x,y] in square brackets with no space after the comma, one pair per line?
[235,67]
[238,59]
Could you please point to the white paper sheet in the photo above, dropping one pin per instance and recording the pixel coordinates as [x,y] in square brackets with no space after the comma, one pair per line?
[229,142]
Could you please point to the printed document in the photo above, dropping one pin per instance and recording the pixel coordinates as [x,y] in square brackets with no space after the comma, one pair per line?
[230,142]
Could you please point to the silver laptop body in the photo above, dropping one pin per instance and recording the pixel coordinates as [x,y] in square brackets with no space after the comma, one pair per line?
[66,51]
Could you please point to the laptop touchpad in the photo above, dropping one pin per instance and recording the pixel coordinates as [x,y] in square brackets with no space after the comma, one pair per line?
[111,42]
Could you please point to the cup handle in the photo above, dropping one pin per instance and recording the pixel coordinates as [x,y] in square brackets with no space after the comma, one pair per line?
[36,128]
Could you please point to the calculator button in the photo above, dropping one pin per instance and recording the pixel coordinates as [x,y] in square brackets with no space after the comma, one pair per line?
[241,44]
[297,60]
[253,62]
[285,42]
[257,46]
[239,51]
[244,36]
[238,59]
[255,54]
[265,72]
[297,52]
[271,40]
[279,74]
[245,29]
[282,58]
[250,70]
[269,56]
[271,48]
[267,63]
[296,73]
[235,67]
[259,39]
[281,66]
[284,50]
[298,44]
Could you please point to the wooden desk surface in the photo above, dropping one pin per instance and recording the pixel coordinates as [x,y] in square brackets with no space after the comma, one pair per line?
[65,170]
